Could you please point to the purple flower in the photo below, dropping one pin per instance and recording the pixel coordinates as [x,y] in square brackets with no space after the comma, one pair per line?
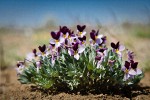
[82,39]
[99,58]
[67,44]
[71,34]
[57,39]
[111,64]
[42,49]
[20,67]
[34,52]
[54,53]
[96,39]
[101,54]
[80,30]
[76,50]
[126,69]
[130,55]
[134,68]
[65,31]
[117,48]
[130,69]
[52,47]
[34,55]
[101,45]
[69,41]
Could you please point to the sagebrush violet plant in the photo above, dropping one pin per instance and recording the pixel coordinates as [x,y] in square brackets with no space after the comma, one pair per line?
[73,62]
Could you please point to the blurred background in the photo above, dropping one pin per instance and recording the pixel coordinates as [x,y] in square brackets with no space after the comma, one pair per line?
[26,24]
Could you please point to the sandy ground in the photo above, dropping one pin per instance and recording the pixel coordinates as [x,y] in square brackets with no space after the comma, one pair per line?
[11,89]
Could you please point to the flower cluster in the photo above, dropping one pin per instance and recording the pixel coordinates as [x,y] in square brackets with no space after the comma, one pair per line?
[73,61]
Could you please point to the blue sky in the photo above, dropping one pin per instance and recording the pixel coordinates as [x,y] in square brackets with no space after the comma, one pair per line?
[35,12]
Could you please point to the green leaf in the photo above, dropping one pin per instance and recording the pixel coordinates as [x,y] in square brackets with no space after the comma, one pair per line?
[90,66]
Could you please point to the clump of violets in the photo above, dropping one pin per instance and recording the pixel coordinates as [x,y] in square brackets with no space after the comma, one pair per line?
[70,62]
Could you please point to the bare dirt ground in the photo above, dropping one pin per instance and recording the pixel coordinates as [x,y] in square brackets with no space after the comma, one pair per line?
[11,89]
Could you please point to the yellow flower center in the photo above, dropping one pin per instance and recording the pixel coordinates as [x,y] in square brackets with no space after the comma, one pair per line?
[56,41]
[126,70]
[80,33]
[64,35]
[100,46]
[43,53]
[75,52]
[117,51]
[96,37]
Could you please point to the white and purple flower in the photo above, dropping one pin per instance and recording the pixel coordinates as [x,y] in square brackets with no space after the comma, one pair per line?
[32,56]
[20,67]
[111,63]
[80,30]
[96,38]
[57,39]
[130,55]
[101,54]
[103,44]
[82,40]
[76,50]
[117,48]
[134,68]
[65,31]
[130,69]
[126,68]
[43,50]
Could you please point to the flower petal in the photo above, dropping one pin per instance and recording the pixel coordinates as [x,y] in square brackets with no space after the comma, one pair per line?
[119,53]
[57,44]
[132,72]
[81,28]
[71,52]
[52,41]
[81,49]
[113,45]
[100,36]
[123,68]
[98,40]
[92,35]
[105,53]
[121,47]
[61,39]
[30,56]
[53,34]
[76,56]
[99,64]
[83,33]
[138,71]
[67,34]
[38,64]
[126,77]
